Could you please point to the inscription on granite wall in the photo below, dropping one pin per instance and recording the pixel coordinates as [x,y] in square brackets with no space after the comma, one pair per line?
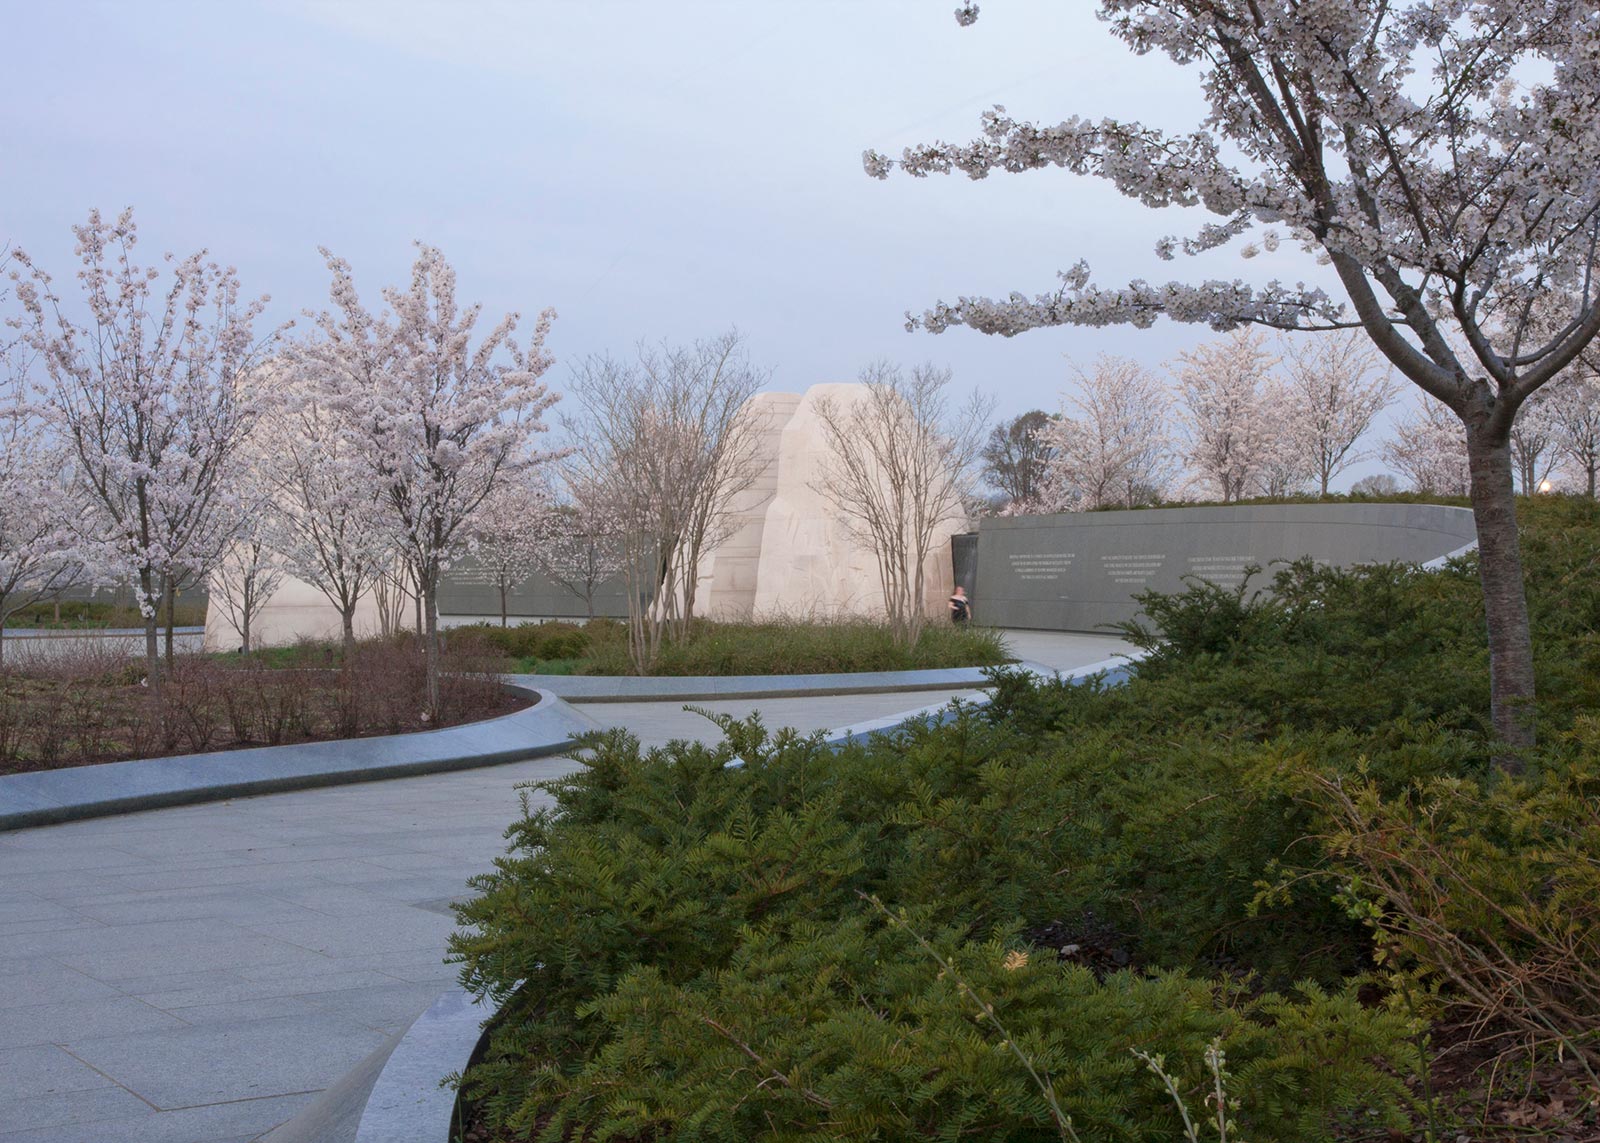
[465,590]
[1080,572]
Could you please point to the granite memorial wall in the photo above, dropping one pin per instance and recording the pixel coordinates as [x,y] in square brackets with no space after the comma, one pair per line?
[1081,571]
[465,590]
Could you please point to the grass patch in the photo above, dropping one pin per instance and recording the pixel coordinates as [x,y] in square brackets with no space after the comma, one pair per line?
[779,647]
[83,615]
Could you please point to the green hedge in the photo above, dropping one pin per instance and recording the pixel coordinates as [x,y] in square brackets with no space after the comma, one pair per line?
[1153,867]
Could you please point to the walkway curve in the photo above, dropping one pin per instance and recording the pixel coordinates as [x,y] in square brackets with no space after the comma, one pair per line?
[198,974]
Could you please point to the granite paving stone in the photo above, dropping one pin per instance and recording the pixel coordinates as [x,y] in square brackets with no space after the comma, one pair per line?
[241,1121]
[83,1108]
[45,1069]
[189,1066]
[58,1023]
[49,982]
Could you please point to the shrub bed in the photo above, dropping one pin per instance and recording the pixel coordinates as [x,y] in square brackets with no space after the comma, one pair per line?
[778,647]
[93,705]
[1279,861]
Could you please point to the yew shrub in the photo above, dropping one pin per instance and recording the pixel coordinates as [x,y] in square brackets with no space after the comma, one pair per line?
[1285,835]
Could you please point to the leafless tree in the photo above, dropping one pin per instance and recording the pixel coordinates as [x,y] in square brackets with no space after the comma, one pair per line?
[901,462]
[665,442]
[1016,458]
[582,543]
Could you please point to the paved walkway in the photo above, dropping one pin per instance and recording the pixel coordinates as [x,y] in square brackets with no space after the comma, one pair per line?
[198,974]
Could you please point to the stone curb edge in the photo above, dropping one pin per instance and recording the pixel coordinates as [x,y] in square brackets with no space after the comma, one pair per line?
[707,688]
[1115,670]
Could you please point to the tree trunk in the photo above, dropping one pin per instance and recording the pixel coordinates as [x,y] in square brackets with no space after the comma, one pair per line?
[1591,481]
[169,604]
[152,620]
[1505,603]
[347,622]
[427,600]
[503,617]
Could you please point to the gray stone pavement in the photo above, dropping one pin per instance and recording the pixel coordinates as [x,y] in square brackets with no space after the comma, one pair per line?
[199,974]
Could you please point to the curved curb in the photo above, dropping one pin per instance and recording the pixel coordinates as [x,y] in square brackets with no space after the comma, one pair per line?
[395,1094]
[701,688]
[49,797]
[1438,562]
[1114,670]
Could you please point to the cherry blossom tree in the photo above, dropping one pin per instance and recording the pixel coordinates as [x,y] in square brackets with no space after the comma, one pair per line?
[1286,469]
[508,533]
[1536,442]
[666,442]
[1335,387]
[438,420]
[39,552]
[147,392]
[1111,446]
[1575,407]
[1440,155]
[1428,448]
[1229,413]
[901,462]
[328,511]
[242,583]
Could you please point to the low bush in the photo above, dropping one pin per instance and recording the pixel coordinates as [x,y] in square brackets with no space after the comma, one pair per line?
[800,647]
[81,614]
[701,961]
[536,641]
[1285,836]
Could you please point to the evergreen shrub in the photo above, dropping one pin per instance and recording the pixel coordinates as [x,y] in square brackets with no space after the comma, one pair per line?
[1278,835]
[697,959]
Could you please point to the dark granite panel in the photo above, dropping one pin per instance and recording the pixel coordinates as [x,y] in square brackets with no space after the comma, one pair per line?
[1080,572]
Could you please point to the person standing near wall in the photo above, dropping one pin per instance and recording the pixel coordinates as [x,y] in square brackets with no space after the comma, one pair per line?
[960,607]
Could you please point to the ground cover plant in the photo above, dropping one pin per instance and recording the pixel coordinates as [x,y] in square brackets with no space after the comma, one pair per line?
[778,646]
[92,704]
[78,614]
[1283,847]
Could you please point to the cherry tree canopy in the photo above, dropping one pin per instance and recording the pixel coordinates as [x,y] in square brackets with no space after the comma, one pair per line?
[1442,155]
[439,413]
[150,395]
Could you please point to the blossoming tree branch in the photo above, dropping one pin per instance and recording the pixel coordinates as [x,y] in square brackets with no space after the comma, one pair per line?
[1442,156]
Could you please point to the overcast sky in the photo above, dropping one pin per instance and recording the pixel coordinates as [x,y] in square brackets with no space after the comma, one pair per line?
[648,169]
